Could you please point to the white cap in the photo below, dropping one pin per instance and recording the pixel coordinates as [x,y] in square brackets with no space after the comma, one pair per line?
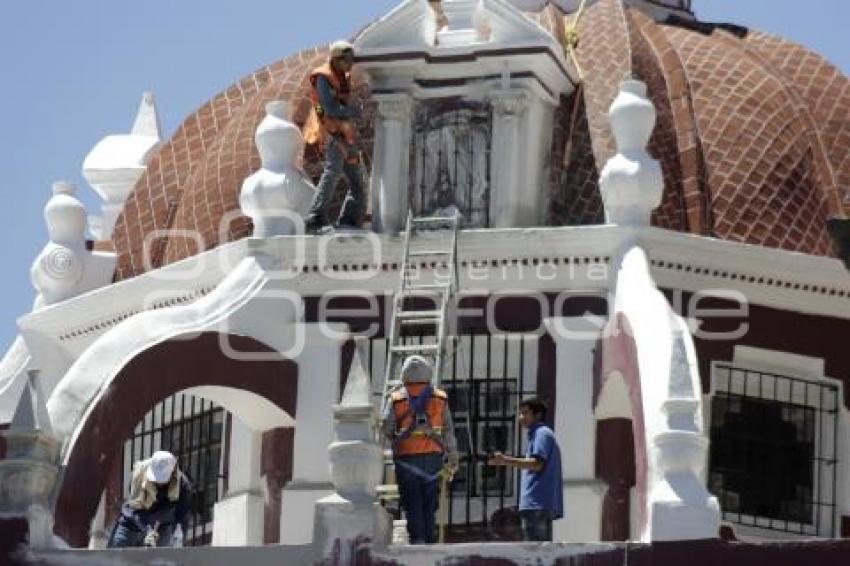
[341,47]
[161,466]
[416,369]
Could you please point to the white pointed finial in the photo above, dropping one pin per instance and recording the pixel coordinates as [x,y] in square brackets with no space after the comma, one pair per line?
[357,390]
[117,162]
[631,182]
[147,118]
[31,413]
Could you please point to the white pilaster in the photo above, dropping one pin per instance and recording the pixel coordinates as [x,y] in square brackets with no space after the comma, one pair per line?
[239,517]
[239,520]
[318,392]
[391,162]
[575,427]
[507,163]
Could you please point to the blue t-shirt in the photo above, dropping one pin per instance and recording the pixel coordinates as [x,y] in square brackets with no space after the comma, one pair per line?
[543,489]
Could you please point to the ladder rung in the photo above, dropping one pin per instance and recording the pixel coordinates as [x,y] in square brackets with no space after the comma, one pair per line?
[407,315]
[428,321]
[415,348]
[392,384]
[429,287]
[426,219]
[429,253]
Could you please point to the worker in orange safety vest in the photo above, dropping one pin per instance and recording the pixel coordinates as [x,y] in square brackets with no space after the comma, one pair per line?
[419,425]
[330,126]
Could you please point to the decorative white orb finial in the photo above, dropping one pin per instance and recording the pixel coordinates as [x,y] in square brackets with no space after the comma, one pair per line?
[631,182]
[65,215]
[278,140]
[278,195]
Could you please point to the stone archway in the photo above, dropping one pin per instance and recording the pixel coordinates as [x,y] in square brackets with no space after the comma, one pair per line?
[162,370]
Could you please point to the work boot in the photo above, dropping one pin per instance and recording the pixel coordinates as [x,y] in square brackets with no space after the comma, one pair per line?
[345,227]
[315,225]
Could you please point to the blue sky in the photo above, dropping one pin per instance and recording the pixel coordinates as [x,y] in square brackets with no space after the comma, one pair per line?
[73,72]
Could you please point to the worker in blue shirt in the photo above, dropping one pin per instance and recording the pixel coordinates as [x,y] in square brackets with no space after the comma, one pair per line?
[541,497]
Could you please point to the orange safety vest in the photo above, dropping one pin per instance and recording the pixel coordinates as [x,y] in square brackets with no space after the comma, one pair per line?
[418,438]
[318,126]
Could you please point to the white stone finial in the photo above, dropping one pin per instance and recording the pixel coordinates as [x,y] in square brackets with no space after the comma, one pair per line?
[631,182]
[278,140]
[66,267]
[357,392]
[278,195]
[117,162]
[352,514]
[65,214]
[31,413]
[147,118]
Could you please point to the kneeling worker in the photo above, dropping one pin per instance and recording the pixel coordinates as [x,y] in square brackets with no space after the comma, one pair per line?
[419,425]
[159,501]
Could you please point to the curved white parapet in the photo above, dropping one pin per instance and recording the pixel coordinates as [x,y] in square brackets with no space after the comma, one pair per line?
[92,373]
[677,504]
[278,196]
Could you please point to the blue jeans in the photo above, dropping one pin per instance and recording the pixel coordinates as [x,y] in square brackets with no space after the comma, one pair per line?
[336,165]
[536,524]
[126,533]
[419,489]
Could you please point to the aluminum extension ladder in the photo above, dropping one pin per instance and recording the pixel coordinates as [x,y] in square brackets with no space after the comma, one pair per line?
[420,236]
[441,292]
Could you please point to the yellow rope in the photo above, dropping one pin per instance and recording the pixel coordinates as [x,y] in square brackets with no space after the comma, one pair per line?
[571,37]
[570,43]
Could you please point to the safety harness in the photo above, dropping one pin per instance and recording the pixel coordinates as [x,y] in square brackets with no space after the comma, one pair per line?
[420,423]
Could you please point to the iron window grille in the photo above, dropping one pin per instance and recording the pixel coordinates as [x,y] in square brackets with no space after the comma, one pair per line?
[773,456]
[450,158]
[193,429]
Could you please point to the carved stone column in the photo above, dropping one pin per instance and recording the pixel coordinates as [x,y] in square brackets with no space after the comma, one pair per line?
[507,163]
[391,162]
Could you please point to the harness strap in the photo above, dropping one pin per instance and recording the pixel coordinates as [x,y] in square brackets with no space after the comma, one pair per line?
[418,408]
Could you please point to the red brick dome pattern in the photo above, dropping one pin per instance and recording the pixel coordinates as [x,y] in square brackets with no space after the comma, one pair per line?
[753,136]
[749,126]
[188,200]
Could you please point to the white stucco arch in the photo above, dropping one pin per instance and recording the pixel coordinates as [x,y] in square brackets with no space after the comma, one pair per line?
[226,309]
[250,302]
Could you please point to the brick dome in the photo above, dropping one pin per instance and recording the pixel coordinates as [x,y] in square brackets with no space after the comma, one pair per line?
[753,135]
